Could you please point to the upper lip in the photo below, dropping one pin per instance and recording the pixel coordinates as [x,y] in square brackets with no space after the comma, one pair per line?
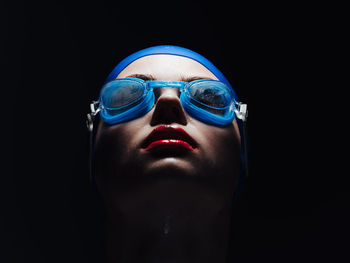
[164,132]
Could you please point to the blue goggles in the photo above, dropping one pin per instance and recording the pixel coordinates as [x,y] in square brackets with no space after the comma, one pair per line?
[209,101]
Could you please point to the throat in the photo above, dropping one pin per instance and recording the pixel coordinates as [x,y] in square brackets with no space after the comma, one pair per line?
[168,237]
[168,223]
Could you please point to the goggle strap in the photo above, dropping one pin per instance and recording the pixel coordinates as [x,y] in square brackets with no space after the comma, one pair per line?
[90,154]
[241,112]
[90,117]
[245,147]
[89,122]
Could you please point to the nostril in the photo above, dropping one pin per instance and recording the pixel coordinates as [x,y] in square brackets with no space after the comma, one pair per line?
[176,112]
[168,109]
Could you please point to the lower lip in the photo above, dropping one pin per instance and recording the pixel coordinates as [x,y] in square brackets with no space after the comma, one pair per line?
[169,143]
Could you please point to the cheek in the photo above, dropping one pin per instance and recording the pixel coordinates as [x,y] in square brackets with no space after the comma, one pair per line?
[113,147]
[224,147]
[108,148]
[221,147]
[120,138]
[220,156]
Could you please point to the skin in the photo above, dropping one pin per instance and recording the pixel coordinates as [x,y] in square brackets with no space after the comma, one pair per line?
[172,207]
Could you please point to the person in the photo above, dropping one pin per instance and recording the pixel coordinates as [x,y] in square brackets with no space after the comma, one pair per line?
[167,157]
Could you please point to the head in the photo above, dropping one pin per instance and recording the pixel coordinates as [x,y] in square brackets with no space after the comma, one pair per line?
[205,167]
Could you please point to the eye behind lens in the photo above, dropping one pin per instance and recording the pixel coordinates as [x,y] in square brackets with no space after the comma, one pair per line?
[122,93]
[212,94]
[217,111]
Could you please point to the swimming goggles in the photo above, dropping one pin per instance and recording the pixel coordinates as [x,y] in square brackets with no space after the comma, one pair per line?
[210,101]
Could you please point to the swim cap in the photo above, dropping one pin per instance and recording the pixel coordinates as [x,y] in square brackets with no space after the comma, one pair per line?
[170,50]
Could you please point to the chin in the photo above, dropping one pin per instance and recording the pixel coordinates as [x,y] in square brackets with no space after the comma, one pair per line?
[171,167]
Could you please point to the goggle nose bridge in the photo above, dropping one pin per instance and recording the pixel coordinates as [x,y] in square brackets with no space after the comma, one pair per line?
[166,84]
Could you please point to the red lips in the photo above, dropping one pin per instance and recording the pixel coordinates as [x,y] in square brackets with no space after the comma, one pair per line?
[165,137]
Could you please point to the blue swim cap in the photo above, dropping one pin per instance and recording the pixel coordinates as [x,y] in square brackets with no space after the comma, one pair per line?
[170,50]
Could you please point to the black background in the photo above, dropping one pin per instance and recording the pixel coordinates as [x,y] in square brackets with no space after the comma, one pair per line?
[285,62]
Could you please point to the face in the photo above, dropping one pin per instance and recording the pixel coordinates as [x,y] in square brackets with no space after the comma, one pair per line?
[123,162]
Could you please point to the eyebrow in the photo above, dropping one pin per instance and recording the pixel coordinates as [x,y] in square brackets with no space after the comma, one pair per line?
[193,78]
[142,76]
[150,77]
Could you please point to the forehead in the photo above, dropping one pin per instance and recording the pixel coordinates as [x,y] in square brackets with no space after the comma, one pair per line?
[167,67]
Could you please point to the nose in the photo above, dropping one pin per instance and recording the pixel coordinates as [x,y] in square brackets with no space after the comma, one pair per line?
[168,108]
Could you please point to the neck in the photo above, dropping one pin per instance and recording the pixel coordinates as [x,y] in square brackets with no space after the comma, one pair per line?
[168,222]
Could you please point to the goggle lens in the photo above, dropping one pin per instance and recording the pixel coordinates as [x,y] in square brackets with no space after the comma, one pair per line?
[212,96]
[119,95]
